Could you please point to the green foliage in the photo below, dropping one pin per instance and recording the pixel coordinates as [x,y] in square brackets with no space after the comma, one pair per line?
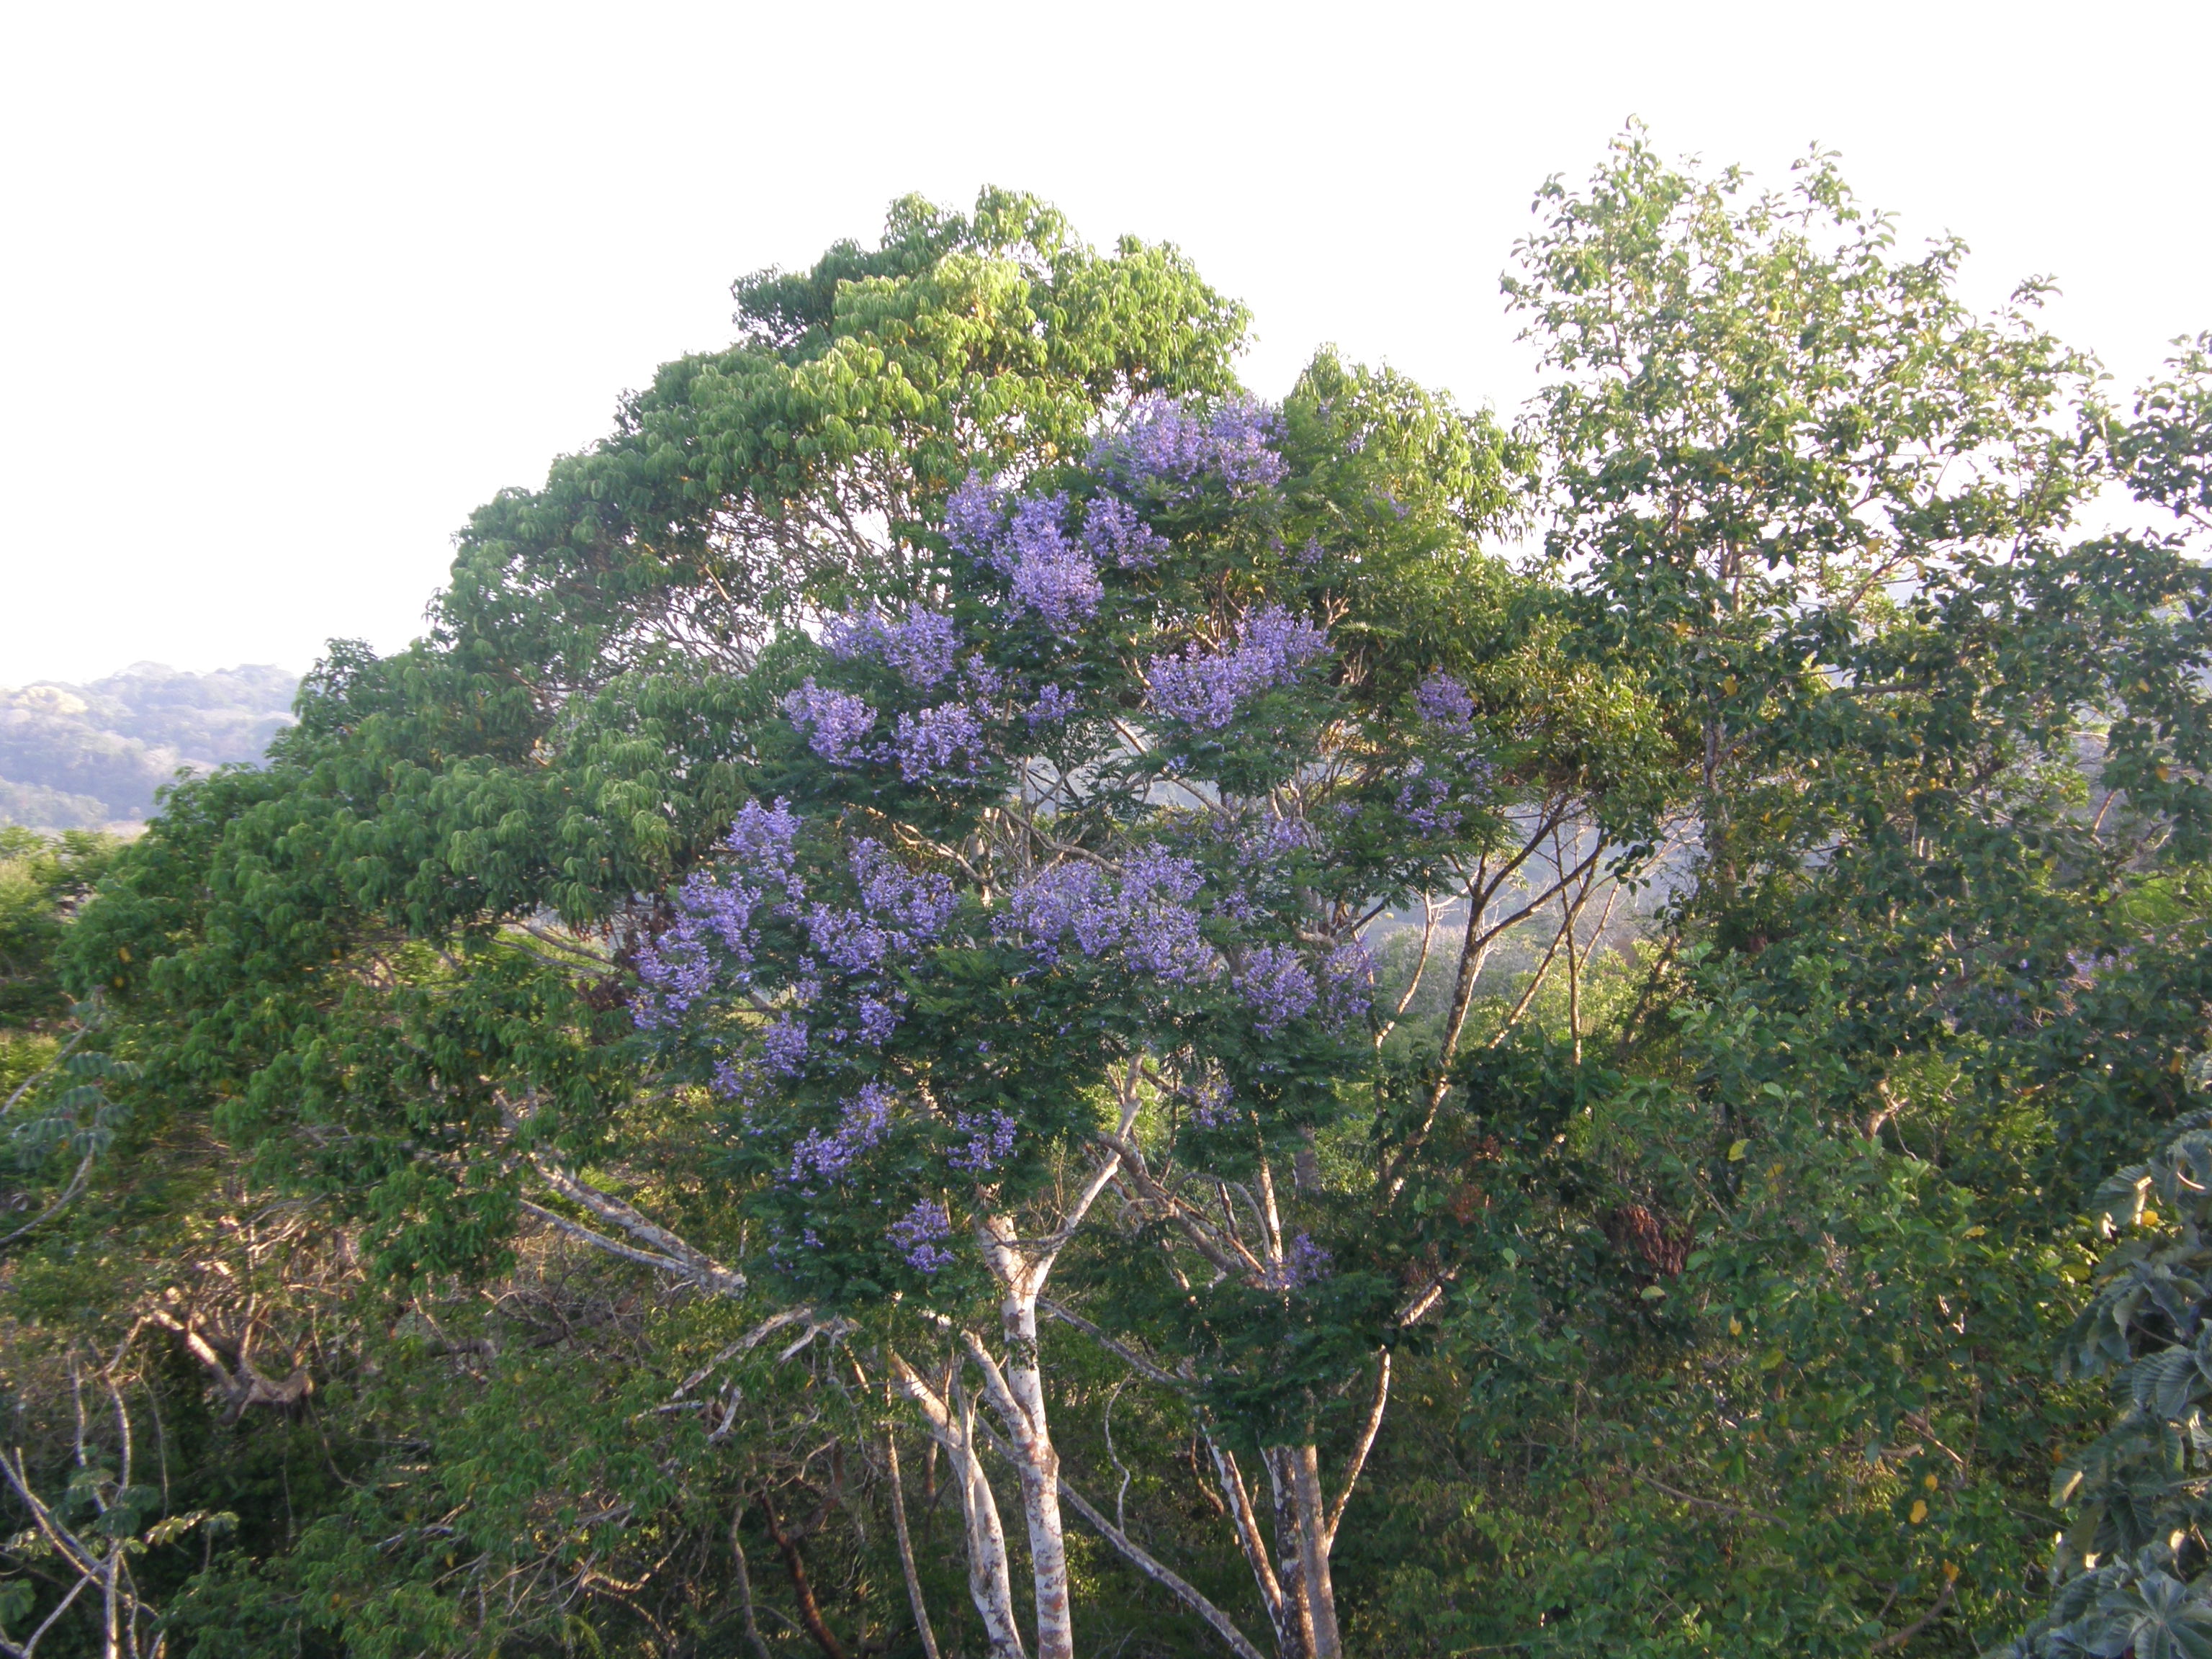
[1750,1216]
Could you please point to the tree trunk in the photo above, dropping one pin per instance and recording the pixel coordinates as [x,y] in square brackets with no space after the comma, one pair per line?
[906,1548]
[1314,1549]
[1283,1605]
[1038,1462]
[990,1583]
[952,1419]
[1295,1631]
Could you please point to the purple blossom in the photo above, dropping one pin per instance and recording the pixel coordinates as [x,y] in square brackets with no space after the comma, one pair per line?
[766,842]
[1276,839]
[677,970]
[1443,701]
[862,1123]
[836,721]
[783,1046]
[1051,573]
[916,1236]
[1164,941]
[742,1081]
[974,516]
[1172,446]
[1421,803]
[922,647]
[927,744]
[1148,914]
[1151,872]
[714,931]
[1115,535]
[919,902]
[1203,688]
[1210,1104]
[879,1019]
[1052,706]
[990,1141]
[983,680]
[1277,986]
[1347,982]
[1062,899]
[851,941]
[1306,1262]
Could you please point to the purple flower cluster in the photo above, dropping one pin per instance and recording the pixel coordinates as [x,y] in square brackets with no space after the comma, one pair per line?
[837,722]
[1347,982]
[1424,801]
[1276,985]
[1211,1104]
[919,902]
[1115,535]
[1051,573]
[1305,1263]
[974,517]
[1065,898]
[901,911]
[1172,446]
[1052,706]
[864,1122]
[1048,571]
[928,744]
[783,1046]
[1204,688]
[990,1141]
[1443,701]
[1146,915]
[921,648]
[879,1017]
[715,920]
[915,1237]
[1275,839]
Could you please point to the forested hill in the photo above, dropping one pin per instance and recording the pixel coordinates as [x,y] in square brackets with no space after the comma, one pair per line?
[82,757]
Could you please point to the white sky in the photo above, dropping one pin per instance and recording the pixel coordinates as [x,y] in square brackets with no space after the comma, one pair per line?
[285,291]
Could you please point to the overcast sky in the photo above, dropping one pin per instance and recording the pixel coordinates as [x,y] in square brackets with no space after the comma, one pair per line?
[286,291]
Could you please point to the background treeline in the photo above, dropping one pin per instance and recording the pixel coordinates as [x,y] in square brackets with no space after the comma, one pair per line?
[1737,1257]
[89,756]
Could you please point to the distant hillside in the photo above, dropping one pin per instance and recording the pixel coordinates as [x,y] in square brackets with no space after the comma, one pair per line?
[83,757]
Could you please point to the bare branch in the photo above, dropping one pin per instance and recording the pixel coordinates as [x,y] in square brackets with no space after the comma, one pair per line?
[1367,1433]
[692,1263]
[69,1194]
[1129,1355]
[1180,1587]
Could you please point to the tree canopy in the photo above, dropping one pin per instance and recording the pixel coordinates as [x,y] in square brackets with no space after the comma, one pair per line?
[1399,1033]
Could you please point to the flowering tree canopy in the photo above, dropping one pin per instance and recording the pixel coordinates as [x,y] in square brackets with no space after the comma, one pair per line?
[1066,881]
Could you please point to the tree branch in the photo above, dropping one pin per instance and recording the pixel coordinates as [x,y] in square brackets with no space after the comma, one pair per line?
[1166,1577]
[1367,1433]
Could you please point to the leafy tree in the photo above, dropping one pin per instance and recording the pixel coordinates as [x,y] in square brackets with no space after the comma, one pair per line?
[545,1210]
[1065,903]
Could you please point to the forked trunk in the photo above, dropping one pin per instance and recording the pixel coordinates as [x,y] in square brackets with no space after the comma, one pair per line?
[990,1585]
[1313,1544]
[952,1420]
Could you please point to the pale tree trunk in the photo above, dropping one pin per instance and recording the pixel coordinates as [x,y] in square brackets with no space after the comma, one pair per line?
[1016,1390]
[1040,1474]
[1298,1623]
[952,1420]
[1295,1583]
[1284,1602]
[1314,1545]
[914,1597]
